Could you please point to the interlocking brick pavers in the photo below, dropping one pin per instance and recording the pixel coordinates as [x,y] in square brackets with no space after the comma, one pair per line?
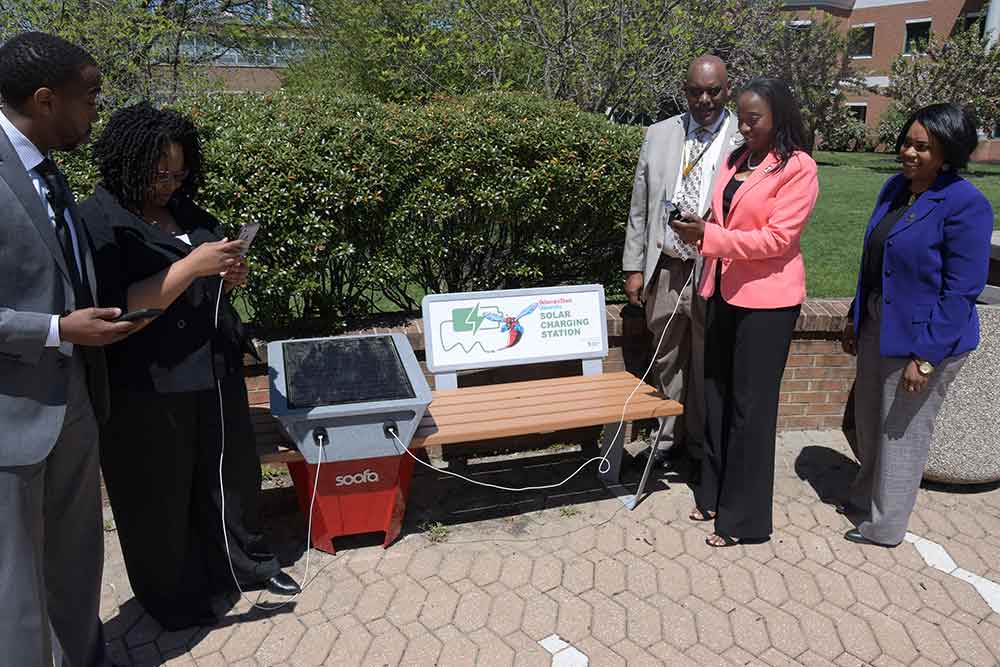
[619,587]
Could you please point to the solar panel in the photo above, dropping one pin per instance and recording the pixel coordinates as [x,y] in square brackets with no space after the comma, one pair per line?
[343,371]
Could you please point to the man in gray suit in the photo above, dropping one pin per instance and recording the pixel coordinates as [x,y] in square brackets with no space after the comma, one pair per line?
[53,381]
[678,163]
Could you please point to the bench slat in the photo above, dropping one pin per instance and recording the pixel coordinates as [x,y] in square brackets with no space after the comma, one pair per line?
[503,427]
[452,401]
[511,409]
[503,410]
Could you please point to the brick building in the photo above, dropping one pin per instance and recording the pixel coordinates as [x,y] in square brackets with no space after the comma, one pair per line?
[883,29]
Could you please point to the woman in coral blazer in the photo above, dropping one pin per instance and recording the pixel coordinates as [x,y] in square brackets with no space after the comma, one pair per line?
[754,281]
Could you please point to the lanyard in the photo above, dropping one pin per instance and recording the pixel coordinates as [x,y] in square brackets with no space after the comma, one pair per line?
[689,167]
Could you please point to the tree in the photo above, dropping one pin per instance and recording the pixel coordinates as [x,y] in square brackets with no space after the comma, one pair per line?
[629,57]
[401,50]
[962,69]
[150,48]
[813,58]
[623,58]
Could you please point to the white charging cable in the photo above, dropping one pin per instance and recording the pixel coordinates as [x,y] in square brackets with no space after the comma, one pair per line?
[605,464]
[222,492]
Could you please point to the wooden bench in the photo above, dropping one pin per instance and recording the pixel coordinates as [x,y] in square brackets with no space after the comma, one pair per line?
[512,409]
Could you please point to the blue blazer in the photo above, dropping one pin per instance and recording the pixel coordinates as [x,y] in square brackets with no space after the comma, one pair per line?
[935,263]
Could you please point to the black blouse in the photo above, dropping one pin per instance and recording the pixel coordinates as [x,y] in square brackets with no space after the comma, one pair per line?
[181,350]
[874,254]
[727,195]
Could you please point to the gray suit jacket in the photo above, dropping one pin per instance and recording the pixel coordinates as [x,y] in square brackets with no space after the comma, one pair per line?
[35,285]
[656,175]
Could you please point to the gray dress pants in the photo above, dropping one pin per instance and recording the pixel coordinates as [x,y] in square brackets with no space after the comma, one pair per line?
[52,548]
[894,429]
[680,361]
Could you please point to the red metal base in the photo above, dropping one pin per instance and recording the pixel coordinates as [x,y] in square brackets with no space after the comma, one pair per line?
[353,497]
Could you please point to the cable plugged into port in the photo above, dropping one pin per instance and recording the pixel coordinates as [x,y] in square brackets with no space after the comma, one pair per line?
[390,430]
[320,437]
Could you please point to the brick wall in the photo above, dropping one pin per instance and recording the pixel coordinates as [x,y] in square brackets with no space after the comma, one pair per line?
[818,375]
[814,390]
[815,386]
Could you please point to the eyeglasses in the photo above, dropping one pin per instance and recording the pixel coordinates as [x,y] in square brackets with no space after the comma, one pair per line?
[168,177]
[695,92]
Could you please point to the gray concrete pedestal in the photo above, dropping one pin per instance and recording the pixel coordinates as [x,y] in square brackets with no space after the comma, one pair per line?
[966,444]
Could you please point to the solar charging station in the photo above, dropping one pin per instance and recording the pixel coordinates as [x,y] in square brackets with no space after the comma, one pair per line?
[339,399]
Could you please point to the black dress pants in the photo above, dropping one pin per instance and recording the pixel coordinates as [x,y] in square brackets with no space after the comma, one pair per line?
[745,355]
[160,457]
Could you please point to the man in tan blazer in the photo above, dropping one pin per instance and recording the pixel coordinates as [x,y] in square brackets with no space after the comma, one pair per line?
[678,163]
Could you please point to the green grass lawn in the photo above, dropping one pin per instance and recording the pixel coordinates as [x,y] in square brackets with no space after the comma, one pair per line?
[848,186]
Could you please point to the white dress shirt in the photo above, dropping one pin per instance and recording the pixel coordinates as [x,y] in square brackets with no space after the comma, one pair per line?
[31,157]
[707,163]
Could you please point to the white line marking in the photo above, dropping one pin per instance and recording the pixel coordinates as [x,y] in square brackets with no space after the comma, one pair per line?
[570,657]
[564,655]
[553,644]
[937,557]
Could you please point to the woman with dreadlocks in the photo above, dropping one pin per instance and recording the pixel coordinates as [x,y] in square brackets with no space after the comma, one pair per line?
[177,385]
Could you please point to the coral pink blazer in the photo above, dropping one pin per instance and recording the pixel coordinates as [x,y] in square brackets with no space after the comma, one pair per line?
[758,244]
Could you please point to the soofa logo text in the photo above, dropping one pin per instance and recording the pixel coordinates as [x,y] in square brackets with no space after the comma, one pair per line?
[365,477]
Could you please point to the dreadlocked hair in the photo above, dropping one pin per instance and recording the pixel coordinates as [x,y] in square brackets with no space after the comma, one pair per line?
[131,145]
[34,60]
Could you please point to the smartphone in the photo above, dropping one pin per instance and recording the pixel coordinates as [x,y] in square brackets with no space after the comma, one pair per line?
[136,315]
[247,233]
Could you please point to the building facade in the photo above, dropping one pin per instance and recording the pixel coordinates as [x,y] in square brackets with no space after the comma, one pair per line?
[881,30]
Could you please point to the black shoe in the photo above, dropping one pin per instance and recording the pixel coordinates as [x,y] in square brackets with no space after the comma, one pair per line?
[675,459]
[283,584]
[659,457]
[856,537]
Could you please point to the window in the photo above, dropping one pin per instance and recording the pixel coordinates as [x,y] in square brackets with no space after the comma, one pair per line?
[861,42]
[859,110]
[918,34]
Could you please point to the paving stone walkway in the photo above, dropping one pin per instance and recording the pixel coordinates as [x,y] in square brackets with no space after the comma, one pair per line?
[572,578]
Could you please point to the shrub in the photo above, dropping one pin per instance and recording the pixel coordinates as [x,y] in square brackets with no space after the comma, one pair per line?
[890,124]
[364,203]
[849,135]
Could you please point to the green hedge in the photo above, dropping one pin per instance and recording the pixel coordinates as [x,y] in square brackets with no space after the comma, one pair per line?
[368,206]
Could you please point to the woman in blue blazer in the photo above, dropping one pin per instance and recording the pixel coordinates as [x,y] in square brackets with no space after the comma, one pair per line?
[913,320]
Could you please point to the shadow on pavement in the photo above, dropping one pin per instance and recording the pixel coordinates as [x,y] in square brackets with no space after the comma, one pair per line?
[829,472]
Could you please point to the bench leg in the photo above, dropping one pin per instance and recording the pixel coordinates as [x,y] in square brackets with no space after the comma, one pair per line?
[612,448]
[649,466]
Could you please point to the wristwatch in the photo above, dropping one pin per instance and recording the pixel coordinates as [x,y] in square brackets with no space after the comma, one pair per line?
[924,367]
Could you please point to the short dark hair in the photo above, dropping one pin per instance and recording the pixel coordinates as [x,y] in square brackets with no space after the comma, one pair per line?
[34,60]
[789,129]
[132,143]
[953,126]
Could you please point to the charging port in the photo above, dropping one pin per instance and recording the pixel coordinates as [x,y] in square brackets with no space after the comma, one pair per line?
[390,429]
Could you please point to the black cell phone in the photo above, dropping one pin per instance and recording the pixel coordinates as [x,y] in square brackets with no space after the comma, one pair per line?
[136,315]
